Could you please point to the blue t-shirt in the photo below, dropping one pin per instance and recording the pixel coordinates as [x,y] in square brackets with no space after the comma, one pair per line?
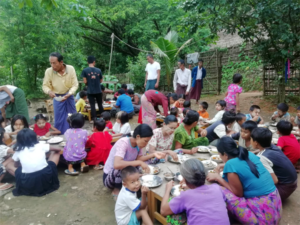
[249,117]
[252,186]
[125,103]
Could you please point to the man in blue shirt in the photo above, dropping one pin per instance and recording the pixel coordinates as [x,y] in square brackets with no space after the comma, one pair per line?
[124,103]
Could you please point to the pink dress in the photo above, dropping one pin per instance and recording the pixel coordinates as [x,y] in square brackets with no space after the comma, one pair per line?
[230,99]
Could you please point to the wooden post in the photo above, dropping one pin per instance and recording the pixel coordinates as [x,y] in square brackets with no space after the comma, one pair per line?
[264,83]
[111,51]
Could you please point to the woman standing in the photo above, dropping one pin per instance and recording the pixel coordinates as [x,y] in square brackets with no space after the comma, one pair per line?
[16,102]
[250,192]
[150,102]
[162,139]
[127,152]
[185,138]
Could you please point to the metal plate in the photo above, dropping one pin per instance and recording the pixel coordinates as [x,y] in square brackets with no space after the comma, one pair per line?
[176,190]
[55,140]
[151,181]
[153,170]
[44,138]
[209,165]
[181,159]
[203,149]
[213,150]
[216,158]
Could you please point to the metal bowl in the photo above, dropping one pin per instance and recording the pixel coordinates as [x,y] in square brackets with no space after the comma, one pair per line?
[169,176]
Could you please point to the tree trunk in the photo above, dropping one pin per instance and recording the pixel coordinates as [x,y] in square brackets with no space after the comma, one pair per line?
[281,89]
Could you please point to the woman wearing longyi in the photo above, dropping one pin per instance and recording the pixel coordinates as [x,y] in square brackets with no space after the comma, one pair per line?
[186,135]
[150,101]
[162,139]
[127,152]
[250,193]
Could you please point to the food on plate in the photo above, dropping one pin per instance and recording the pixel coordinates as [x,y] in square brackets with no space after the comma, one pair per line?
[55,140]
[211,171]
[216,157]
[201,159]
[208,164]
[203,149]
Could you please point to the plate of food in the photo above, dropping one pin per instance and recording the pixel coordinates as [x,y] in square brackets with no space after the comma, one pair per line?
[262,125]
[295,128]
[203,149]
[181,159]
[176,190]
[212,171]
[273,124]
[169,176]
[216,158]
[151,181]
[213,150]
[209,165]
[62,144]
[55,140]
[44,138]
[153,170]
[106,106]
[112,101]
[201,159]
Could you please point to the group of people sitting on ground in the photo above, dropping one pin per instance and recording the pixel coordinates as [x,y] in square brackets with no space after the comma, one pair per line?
[257,174]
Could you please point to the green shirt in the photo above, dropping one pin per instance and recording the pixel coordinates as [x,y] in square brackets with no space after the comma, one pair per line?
[188,141]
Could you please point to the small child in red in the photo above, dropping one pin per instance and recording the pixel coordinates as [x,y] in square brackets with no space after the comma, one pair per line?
[108,124]
[288,142]
[100,144]
[42,127]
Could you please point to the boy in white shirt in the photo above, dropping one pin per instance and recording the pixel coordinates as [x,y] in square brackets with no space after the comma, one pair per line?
[129,209]
[220,106]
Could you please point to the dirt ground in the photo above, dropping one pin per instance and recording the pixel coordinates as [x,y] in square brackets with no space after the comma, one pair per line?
[84,199]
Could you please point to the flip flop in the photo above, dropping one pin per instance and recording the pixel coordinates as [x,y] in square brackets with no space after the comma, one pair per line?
[99,167]
[74,173]
[6,186]
[85,169]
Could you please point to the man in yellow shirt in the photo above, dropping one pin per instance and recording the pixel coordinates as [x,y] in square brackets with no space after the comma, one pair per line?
[60,83]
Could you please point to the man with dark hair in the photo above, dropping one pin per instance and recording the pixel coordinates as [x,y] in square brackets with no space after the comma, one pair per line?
[182,79]
[198,74]
[136,100]
[92,77]
[60,82]
[152,74]
[124,103]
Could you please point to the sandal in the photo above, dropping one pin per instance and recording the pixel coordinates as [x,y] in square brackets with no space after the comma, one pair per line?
[99,167]
[74,173]
[85,169]
[115,197]
[6,186]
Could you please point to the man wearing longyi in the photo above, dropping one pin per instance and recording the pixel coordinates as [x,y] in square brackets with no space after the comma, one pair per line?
[60,81]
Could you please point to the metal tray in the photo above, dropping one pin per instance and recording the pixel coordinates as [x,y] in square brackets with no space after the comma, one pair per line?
[211,166]
[203,149]
[55,140]
[151,181]
[176,190]
[152,172]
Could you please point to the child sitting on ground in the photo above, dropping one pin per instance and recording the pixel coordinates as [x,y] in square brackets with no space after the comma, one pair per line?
[179,103]
[254,114]
[74,151]
[7,139]
[42,127]
[4,153]
[18,122]
[194,176]
[244,137]
[187,104]
[281,113]
[121,126]
[175,112]
[233,94]
[240,119]
[100,144]
[129,209]
[81,106]
[203,106]
[287,142]
[220,106]
[108,124]
[35,176]
[274,160]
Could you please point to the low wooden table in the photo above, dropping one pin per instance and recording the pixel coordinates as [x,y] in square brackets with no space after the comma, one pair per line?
[97,109]
[155,195]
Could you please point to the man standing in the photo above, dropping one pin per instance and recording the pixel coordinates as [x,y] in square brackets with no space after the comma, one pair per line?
[152,74]
[60,81]
[92,77]
[182,79]
[198,74]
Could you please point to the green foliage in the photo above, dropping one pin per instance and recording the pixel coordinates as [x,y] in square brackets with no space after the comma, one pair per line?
[250,68]
[112,78]
[49,4]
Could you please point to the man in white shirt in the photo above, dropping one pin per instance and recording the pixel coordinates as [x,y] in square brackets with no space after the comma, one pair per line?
[182,79]
[152,74]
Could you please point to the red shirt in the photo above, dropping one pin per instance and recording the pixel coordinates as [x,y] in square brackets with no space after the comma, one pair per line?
[290,147]
[157,98]
[109,125]
[42,131]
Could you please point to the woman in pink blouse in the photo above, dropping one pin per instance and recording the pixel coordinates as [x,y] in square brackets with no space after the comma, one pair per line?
[232,94]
